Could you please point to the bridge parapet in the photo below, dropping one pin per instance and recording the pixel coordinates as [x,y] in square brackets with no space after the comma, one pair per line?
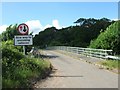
[89,52]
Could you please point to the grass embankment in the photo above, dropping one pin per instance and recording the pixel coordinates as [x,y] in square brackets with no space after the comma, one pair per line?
[19,71]
[111,64]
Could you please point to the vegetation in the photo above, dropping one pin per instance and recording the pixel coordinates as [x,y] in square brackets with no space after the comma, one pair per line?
[111,64]
[18,69]
[9,33]
[79,35]
[110,39]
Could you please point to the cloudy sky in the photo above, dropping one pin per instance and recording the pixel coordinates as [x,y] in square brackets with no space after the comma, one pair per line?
[40,15]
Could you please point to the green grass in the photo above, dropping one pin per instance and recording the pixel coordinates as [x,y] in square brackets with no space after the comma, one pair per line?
[112,64]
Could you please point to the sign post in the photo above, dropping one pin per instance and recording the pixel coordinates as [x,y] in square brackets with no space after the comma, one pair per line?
[24,50]
[24,38]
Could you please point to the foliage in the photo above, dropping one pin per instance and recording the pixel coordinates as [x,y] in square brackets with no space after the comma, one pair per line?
[10,44]
[79,35]
[110,39]
[9,33]
[17,69]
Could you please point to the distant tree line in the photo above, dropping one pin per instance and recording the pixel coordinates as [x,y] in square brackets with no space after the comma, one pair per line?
[79,35]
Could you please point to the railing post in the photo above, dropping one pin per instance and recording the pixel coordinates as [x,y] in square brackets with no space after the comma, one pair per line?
[90,53]
[77,50]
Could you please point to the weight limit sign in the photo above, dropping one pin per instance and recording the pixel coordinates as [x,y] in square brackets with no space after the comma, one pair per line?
[23,29]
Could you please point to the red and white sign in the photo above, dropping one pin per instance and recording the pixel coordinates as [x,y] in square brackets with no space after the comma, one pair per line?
[23,29]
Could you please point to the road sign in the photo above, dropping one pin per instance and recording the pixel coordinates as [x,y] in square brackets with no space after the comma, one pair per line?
[23,29]
[22,40]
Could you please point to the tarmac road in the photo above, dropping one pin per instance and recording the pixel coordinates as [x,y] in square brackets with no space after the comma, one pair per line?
[72,73]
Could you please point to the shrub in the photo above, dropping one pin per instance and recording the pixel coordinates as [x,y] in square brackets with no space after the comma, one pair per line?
[17,69]
[110,39]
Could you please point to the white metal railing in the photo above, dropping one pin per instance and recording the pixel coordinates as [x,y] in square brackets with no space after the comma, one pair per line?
[99,53]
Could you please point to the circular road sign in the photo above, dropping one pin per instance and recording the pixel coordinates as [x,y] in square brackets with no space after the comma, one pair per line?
[23,29]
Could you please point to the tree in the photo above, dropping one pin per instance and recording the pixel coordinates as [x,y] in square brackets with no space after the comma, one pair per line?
[9,33]
[80,21]
[86,22]
[110,39]
[79,35]
[45,37]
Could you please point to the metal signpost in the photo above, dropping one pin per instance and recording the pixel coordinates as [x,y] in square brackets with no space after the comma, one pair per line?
[24,38]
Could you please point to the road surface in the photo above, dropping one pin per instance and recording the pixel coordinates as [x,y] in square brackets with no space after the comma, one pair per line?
[72,73]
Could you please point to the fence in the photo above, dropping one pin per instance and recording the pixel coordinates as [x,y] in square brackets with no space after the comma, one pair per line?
[99,53]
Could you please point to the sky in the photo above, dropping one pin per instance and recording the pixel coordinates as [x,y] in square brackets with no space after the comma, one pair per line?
[40,15]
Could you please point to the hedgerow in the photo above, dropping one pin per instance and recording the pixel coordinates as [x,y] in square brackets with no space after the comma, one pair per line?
[17,69]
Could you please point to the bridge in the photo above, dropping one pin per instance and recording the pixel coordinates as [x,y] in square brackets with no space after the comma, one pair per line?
[71,70]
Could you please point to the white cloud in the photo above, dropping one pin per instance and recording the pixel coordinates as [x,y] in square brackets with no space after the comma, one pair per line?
[3,28]
[115,19]
[47,26]
[34,26]
[55,23]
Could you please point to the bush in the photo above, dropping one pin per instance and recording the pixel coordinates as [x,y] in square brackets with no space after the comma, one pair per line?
[110,39]
[18,69]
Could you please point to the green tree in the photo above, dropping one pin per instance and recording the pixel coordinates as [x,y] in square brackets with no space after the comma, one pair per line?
[9,33]
[110,39]
[45,37]
[79,35]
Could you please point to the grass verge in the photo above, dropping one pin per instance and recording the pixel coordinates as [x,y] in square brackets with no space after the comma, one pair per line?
[111,64]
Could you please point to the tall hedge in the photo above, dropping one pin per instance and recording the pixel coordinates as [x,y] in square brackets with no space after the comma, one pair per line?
[109,39]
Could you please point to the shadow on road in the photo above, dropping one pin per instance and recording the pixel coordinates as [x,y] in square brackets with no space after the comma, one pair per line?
[65,76]
[48,56]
